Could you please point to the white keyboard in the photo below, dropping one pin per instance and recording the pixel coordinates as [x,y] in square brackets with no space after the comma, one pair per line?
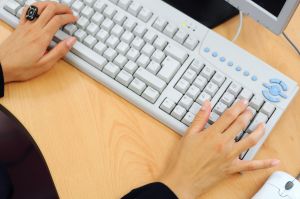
[166,63]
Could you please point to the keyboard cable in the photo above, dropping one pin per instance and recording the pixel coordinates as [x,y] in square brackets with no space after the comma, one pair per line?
[291,42]
[239,28]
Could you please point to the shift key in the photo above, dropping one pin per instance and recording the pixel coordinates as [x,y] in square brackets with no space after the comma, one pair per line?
[177,53]
[169,68]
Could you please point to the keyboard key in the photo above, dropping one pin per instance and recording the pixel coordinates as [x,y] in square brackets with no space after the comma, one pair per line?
[102,35]
[138,43]
[182,86]
[112,41]
[150,94]
[110,54]
[82,22]
[129,24]
[67,2]
[109,12]
[234,89]
[70,29]
[100,48]
[89,2]
[260,118]
[143,61]
[193,92]
[145,15]
[12,7]
[268,109]
[170,30]
[160,43]
[80,35]
[195,108]
[153,67]
[124,78]
[90,41]
[189,75]
[124,4]
[200,82]
[137,86]
[134,8]
[220,108]
[169,68]
[131,67]
[111,70]
[133,54]
[178,112]
[158,56]
[140,30]
[117,30]
[207,72]
[87,12]
[176,53]
[245,94]
[203,97]
[180,36]
[218,79]
[150,36]
[150,79]
[191,43]
[119,18]
[92,29]
[97,18]
[99,6]
[127,37]
[211,89]
[188,119]
[227,99]
[256,102]
[168,105]
[120,61]
[197,66]
[107,24]
[77,6]
[122,48]
[160,24]
[186,102]
[148,50]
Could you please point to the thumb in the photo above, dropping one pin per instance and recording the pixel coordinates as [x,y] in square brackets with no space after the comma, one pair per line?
[58,52]
[201,118]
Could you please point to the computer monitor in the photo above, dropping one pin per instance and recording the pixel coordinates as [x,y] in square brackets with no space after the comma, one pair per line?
[273,14]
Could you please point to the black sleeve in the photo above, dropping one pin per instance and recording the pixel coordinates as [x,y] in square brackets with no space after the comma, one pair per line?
[1,82]
[154,190]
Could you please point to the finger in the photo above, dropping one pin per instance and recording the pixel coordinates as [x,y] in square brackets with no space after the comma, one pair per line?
[49,59]
[255,165]
[41,7]
[240,124]
[249,141]
[229,116]
[23,15]
[52,9]
[58,21]
[201,118]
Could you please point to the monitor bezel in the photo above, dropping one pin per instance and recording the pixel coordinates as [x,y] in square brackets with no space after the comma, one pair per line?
[276,24]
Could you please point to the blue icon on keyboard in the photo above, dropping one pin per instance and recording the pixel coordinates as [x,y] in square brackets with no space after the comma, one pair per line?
[275,90]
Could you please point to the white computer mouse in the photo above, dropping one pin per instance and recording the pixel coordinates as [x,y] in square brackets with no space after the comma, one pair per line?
[280,185]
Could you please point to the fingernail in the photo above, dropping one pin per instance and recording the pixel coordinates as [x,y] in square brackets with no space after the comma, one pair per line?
[275,163]
[205,105]
[70,42]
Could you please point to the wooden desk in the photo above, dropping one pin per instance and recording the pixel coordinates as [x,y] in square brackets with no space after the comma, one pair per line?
[97,145]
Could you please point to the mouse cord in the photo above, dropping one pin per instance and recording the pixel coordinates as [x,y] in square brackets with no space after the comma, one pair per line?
[293,45]
[239,28]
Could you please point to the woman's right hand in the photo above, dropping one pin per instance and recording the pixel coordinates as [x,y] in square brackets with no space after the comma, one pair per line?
[204,157]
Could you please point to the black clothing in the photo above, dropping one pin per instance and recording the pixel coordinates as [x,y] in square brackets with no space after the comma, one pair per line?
[155,190]
[1,82]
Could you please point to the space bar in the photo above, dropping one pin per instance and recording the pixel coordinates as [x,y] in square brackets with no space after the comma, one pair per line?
[83,51]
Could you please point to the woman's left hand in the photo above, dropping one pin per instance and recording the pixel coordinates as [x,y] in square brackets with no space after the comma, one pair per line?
[24,54]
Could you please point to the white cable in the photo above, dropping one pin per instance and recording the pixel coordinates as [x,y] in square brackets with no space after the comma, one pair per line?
[239,28]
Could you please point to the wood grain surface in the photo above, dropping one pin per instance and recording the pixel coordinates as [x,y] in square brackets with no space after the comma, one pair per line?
[97,145]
